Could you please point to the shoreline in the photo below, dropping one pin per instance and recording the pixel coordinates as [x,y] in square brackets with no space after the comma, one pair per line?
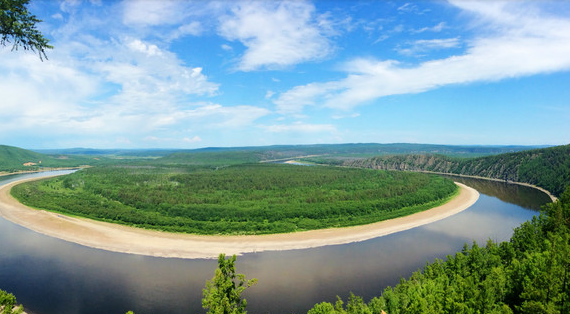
[545,191]
[124,239]
[45,169]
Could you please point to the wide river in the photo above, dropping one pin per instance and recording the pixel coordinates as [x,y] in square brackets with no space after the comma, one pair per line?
[51,276]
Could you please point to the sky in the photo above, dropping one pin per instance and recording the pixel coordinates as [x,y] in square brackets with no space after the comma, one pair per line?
[192,74]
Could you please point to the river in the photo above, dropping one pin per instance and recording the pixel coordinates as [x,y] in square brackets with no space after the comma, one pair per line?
[51,276]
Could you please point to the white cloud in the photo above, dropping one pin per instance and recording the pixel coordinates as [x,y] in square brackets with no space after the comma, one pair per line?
[35,93]
[353,115]
[194,139]
[295,99]
[226,117]
[517,41]
[193,28]
[411,8]
[69,5]
[301,128]
[436,28]
[148,49]
[144,69]
[170,141]
[424,45]
[166,19]
[149,13]
[97,87]
[275,34]
[406,7]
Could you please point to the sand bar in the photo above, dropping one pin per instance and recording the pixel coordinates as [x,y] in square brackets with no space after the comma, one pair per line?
[119,238]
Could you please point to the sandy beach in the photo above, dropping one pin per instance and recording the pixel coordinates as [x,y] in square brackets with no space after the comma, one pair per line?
[118,238]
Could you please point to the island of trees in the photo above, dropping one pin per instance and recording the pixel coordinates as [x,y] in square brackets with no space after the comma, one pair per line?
[239,199]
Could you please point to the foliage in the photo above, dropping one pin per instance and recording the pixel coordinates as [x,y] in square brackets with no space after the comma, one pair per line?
[207,158]
[241,199]
[222,294]
[8,303]
[528,274]
[18,27]
[548,168]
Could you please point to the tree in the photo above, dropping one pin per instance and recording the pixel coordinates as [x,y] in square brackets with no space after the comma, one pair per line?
[18,27]
[222,294]
[8,304]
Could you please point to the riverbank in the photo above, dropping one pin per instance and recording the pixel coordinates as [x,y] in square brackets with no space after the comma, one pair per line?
[119,238]
[545,191]
[45,169]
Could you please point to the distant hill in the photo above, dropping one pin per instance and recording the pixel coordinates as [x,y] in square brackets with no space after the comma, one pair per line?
[17,159]
[376,149]
[118,152]
[234,155]
[548,168]
[14,157]
[544,167]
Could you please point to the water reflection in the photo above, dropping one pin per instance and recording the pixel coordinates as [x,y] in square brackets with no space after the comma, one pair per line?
[521,195]
[53,276]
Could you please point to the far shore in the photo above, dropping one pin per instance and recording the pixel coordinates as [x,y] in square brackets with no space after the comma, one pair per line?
[124,239]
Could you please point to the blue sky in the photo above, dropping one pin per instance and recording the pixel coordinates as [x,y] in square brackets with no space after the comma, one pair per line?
[190,74]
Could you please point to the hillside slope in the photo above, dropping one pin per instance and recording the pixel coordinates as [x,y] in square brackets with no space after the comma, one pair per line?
[15,158]
[548,168]
[18,159]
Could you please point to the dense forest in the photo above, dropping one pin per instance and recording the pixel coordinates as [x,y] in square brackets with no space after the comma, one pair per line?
[241,199]
[548,168]
[528,274]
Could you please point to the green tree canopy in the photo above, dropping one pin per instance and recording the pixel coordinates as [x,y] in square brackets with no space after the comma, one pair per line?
[18,27]
[222,294]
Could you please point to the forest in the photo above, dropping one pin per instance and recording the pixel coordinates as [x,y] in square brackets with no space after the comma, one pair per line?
[548,168]
[240,199]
